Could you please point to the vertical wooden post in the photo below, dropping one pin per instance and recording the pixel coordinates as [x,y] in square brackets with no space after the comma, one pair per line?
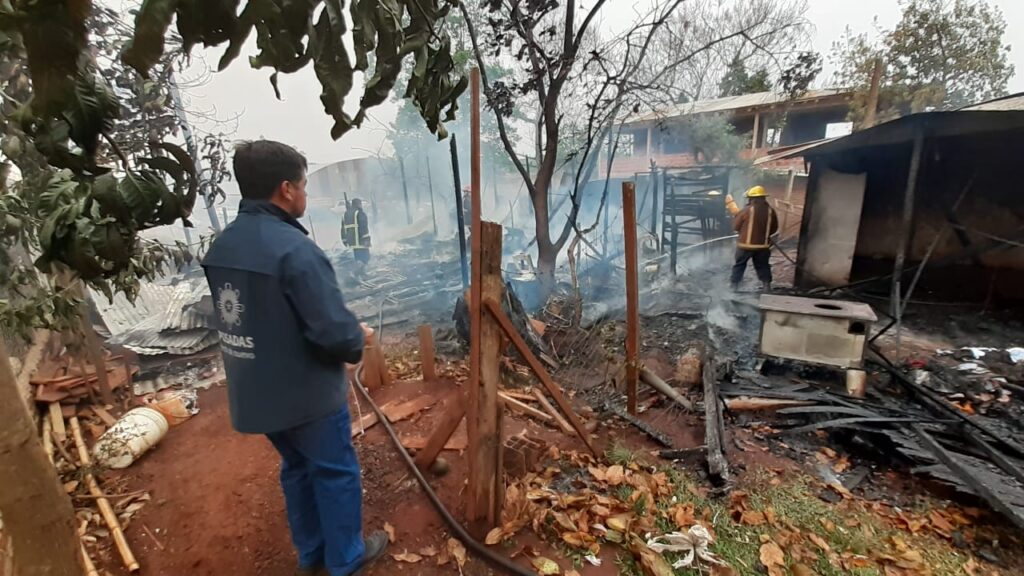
[405,191]
[486,419]
[757,126]
[427,352]
[371,369]
[907,222]
[430,187]
[632,295]
[473,510]
[876,80]
[788,204]
[459,216]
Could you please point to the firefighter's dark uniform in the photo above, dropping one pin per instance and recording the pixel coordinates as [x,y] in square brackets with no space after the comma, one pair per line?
[355,233]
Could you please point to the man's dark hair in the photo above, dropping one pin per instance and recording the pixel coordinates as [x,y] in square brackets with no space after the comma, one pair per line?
[261,165]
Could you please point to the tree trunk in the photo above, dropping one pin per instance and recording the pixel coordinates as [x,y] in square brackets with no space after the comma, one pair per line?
[546,260]
[37,514]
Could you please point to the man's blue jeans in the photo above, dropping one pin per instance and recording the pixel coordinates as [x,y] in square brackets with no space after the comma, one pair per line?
[320,477]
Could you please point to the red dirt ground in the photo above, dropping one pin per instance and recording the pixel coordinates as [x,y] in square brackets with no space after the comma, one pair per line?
[217,507]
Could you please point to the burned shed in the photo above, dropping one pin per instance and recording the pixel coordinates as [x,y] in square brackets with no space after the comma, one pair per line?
[930,200]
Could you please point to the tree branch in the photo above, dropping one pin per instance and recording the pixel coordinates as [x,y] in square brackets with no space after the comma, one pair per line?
[502,130]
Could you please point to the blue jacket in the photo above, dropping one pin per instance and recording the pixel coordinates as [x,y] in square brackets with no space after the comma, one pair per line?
[284,329]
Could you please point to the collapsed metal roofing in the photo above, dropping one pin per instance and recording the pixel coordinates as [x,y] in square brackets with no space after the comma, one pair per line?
[162,320]
[737,103]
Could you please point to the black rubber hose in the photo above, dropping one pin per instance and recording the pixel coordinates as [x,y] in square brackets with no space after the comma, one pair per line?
[460,532]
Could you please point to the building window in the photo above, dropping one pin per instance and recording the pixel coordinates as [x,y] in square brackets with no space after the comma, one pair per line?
[627,144]
[772,137]
[836,129]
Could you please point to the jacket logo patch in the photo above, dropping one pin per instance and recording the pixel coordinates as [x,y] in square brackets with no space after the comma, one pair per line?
[230,306]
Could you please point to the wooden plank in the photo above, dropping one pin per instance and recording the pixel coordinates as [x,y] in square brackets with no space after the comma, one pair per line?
[632,295]
[57,420]
[427,353]
[372,378]
[517,406]
[562,422]
[718,466]
[106,510]
[443,431]
[107,418]
[475,286]
[494,309]
[394,413]
[487,429]
[48,438]
[519,395]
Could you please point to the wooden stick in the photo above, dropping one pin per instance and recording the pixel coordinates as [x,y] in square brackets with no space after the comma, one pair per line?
[519,395]
[427,352]
[104,505]
[660,385]
[107,418]
[517,340]
[516,405]
[63,451]
[57,421]
[90,568]
[153,536]
[371,369]
[632,296]
[562,422]
[443,431]
[718,466]
[48,438]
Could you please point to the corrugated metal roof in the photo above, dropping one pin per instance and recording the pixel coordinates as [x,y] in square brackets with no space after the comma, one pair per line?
[122,314]
[728,103]
[162,320]
[1007,103]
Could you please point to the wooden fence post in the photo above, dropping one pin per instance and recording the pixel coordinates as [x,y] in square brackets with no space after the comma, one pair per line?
[632,296]
[427,352]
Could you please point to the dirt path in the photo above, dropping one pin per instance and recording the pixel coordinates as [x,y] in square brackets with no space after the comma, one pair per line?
[217,507]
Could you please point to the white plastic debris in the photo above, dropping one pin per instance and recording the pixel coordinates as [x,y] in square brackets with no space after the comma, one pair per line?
[1016,355]
[694,543]
[593,560]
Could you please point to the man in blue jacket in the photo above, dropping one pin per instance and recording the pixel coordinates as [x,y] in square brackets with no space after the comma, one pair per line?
[286,335]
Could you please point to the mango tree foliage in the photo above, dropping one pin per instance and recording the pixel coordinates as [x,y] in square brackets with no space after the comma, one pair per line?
[81,194]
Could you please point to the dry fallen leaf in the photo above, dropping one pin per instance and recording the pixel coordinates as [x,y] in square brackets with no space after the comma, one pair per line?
[494,536]
[546,566]
[772,555]
[803,570]
[818,541]
[428,551]
[407,557]
[752,518]
[458,551]
[652,563]
[390,530]
[615,475]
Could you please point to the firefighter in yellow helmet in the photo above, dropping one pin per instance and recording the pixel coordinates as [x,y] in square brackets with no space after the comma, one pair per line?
[355,232]
[755,224]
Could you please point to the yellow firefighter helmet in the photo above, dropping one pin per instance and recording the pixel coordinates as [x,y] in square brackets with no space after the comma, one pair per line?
[757,192]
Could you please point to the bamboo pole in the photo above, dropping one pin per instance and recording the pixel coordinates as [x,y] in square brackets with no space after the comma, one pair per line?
[109,516]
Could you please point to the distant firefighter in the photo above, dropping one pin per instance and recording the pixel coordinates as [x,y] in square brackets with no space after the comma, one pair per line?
[355,232]
[755,224]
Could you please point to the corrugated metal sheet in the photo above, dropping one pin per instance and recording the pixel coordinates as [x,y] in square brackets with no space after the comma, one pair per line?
[121,314]
[730,103]
[1013,102]
[162,320]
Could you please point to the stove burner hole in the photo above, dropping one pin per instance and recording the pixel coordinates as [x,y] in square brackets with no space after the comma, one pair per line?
[828,306]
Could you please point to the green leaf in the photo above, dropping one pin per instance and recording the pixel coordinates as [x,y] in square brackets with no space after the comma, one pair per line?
[147,44]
